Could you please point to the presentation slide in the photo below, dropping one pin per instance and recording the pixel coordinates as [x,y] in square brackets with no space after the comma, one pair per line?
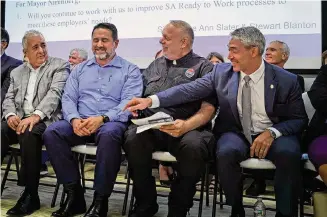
[68,24]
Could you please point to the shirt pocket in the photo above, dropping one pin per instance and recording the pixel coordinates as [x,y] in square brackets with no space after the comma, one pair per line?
[113,88]
[181,79]
[153,80]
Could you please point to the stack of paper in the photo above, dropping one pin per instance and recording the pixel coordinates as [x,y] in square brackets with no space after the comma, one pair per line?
[153,122]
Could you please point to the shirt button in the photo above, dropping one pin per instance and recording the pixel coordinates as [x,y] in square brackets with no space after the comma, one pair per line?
[99,78]
[98,100]
[98,89]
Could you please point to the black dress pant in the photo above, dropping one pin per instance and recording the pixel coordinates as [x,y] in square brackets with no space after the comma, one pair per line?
[30,149]
[191,150]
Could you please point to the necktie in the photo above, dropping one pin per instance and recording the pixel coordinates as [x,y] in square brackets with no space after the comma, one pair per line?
[246,109]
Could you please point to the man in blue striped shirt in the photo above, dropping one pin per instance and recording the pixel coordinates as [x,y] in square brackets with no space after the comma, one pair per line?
[94,96]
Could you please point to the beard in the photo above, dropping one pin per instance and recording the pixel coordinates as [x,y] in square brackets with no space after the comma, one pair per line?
[106,55]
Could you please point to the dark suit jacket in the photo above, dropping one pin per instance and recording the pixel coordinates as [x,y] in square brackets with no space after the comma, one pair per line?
[283,98]
[300,79]
[318,97]
[7,64]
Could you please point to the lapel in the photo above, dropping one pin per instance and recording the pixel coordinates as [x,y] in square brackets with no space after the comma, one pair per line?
[40,74]
[232,94]
[270,89]
[25,77]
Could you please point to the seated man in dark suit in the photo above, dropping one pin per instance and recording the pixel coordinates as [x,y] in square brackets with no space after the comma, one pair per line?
[7,64]
[277,53]
[261,112]
[188,139]
[31,104]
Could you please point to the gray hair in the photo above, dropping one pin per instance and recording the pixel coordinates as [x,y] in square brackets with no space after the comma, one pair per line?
[81,52]
[285,48]
[28,34]
[250,36]
[185,27]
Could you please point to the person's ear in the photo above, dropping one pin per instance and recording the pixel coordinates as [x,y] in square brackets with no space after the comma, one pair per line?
[116,42]
[184,42]
[284,56]
[254,51]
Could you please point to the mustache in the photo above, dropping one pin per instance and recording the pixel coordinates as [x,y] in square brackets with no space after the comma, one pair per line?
[100,48]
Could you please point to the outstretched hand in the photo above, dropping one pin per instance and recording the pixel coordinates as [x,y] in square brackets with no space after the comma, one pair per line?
[136,104]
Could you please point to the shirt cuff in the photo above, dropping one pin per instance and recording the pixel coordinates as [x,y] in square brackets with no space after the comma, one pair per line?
[9,114]
[155,101]
[112,115]
[278,134]
[70,117]
[39,113]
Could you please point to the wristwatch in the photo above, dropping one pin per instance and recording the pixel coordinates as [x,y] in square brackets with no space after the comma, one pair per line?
[105,118]
[272,133]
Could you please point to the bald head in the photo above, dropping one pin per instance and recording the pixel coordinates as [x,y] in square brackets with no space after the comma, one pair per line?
[177,39]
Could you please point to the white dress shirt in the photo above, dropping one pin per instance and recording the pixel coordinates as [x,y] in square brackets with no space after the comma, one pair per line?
[28,99]
[259,117]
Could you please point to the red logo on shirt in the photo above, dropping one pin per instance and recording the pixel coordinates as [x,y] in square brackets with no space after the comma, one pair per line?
[189,73]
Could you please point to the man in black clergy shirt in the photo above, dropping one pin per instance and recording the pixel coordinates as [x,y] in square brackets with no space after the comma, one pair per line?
[189,139]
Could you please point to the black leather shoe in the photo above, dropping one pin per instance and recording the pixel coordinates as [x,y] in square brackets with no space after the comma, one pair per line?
[149,212]
[278,214]
[173,212]
[99,206]
[256,188]
[26,205]
[238,211]
[74,203]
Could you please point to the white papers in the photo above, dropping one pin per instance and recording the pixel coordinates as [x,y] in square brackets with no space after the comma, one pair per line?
[153,122]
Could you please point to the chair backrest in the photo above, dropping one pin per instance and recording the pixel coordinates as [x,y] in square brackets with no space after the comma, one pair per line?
[310,110]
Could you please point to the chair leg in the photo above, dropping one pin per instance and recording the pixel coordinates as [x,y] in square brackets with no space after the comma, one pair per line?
[131,204]
[126,192]
[82,164]
[221,200]
[125,177]
[215,191]
[62,200]
[3,183]
[302,196]
[242,184]
[55,194]
[302,203]
[201,194]
[207,185]
[16,161]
